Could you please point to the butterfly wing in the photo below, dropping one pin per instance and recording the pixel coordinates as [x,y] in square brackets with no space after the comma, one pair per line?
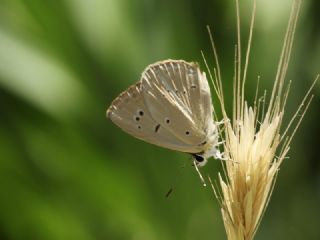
[177,94]
[129,112]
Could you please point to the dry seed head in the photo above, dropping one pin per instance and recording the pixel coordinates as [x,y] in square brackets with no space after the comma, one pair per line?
[253,137]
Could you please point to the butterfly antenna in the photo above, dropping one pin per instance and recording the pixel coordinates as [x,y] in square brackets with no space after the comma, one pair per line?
[169,192]
[175,181]
[201,178]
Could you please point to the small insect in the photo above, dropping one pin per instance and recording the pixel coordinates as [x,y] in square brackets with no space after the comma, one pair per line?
[170,107]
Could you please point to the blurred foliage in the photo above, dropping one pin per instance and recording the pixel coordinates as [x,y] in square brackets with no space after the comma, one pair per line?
[66,172]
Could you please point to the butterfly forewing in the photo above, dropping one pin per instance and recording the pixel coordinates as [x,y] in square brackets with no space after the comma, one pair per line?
[198,92]
[176,91]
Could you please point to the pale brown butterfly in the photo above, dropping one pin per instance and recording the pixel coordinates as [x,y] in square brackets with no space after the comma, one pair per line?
[170,107]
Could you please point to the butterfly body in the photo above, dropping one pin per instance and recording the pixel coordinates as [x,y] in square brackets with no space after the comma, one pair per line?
[170,107]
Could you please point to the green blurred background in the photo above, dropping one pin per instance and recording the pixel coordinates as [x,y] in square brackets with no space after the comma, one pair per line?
[66,172]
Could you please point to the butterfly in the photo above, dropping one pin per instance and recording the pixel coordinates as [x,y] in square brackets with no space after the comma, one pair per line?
[170,107]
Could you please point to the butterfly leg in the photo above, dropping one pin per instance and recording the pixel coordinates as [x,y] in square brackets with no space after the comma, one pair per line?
[223,121]
[219,143]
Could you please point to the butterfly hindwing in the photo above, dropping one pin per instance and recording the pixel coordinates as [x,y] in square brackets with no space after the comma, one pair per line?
[130,113]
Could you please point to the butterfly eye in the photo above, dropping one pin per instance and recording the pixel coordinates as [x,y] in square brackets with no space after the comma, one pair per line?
[187,132]
[199,158]
[140,112]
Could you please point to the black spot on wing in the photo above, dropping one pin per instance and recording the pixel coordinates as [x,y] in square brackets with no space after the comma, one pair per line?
[203,143]
[156,129]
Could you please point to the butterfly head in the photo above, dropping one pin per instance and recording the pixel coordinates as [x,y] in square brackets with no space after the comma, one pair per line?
[199,159]
[210,148]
